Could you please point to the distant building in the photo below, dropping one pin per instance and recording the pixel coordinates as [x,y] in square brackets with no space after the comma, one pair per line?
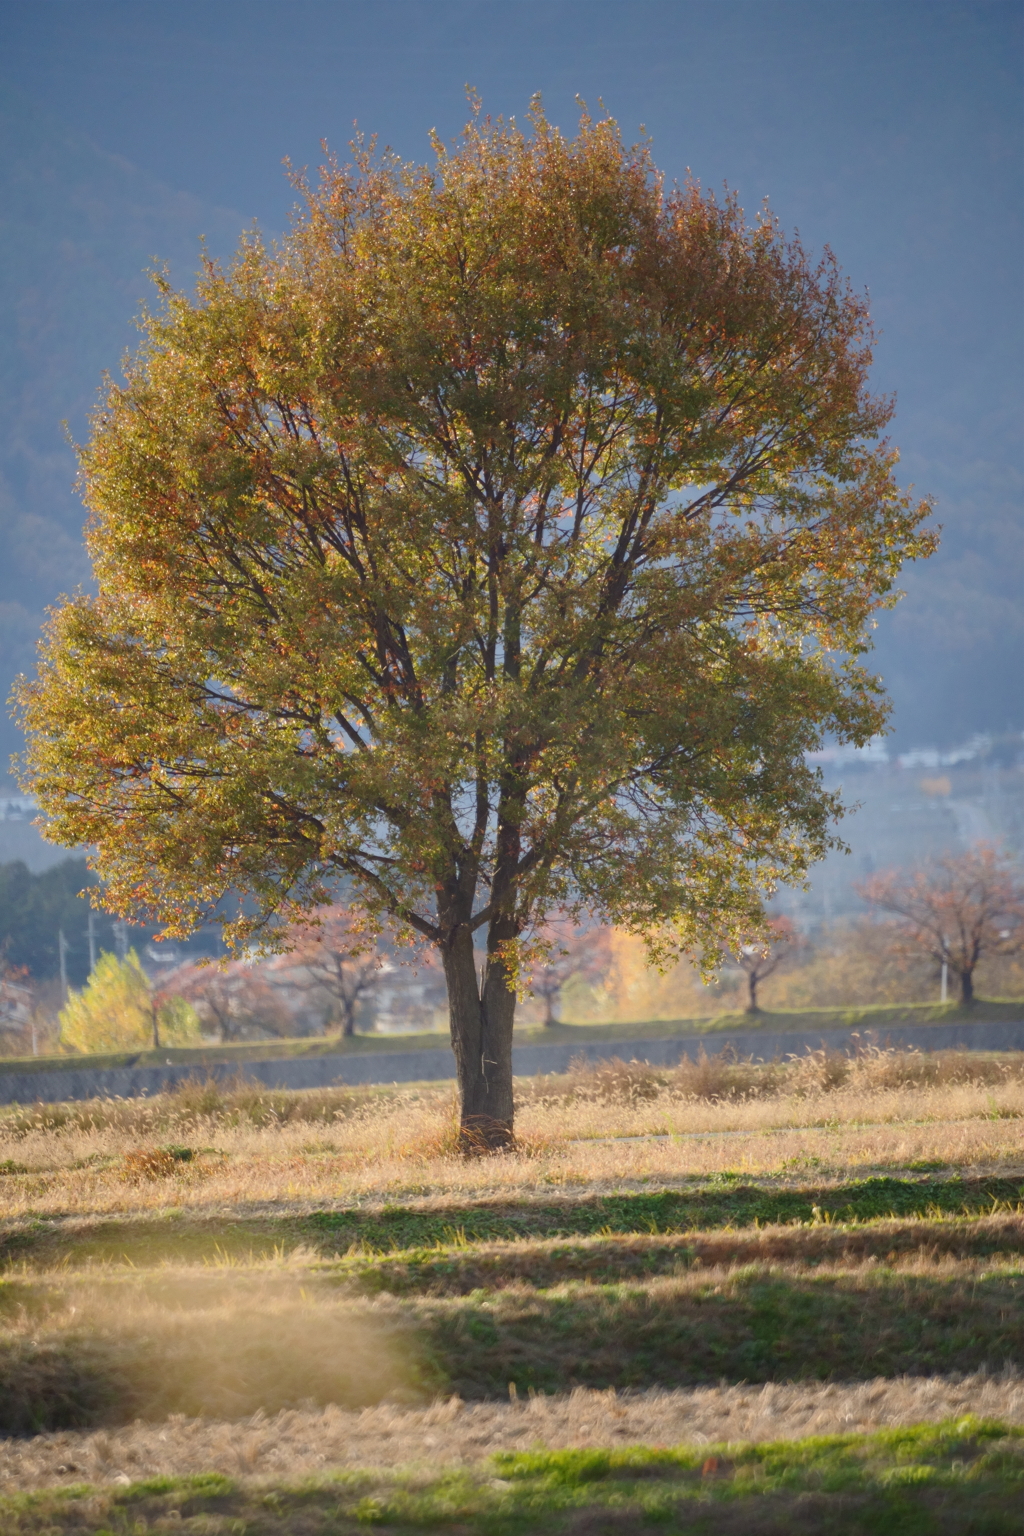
[15,1005]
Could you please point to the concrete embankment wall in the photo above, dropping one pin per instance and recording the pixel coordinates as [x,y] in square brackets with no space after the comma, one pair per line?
[528,1060]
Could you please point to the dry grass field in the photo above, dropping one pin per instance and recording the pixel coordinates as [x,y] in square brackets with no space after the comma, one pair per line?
[597,1127]
[228,1310]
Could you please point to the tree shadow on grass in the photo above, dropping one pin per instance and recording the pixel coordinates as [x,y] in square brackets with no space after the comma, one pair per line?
[705,1205]
[750,1326]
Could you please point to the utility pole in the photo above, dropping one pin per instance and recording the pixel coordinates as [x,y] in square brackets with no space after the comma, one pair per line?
[62,949]
[121,938]
[91,932]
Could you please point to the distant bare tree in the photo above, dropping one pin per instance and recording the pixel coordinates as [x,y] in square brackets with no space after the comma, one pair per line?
[232,999]
[956,911]
[572,952]
[338,958]
[16,1005]
[759,959]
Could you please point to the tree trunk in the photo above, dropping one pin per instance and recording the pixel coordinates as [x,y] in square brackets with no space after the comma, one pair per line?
[348,1020]
[481,1025]
[967,988]
[752,980]
[156,1027]
[482,1011]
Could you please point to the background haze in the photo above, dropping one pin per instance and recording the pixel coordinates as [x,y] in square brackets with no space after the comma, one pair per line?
[891,132]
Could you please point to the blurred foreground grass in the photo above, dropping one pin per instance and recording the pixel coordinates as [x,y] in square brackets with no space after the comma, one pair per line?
[956,1477]
[231,1334]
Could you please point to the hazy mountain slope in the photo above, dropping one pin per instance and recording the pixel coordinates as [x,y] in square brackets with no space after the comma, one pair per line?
[952,652]
[78,229]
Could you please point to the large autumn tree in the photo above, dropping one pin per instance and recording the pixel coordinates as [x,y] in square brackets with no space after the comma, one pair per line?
[500,543]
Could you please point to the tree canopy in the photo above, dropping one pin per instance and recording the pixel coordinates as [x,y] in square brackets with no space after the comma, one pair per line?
[499,543]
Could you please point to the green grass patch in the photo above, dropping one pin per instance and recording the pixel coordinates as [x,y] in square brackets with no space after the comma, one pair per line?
[228,1055]
[705,1205]
[459,1268]
[757,1323]
[785,1021]
[723,1201]
[958,1477]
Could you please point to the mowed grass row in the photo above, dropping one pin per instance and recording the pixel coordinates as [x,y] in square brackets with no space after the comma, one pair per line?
[819,1218]
[95,1355]
[962,1476]
[629,1292]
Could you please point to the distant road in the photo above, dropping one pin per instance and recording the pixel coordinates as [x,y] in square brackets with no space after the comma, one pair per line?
[438,1064]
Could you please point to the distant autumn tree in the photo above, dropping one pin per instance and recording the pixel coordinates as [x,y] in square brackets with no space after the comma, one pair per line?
[232,999]
[338,959]
[569,952]
[956,911]
[762,957]
[120,1009]
[501,543]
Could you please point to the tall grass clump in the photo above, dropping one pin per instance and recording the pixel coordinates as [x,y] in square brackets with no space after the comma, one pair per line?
[728,1078]
[194,1103]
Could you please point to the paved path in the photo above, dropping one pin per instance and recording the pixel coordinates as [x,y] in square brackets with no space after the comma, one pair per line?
[438,1064]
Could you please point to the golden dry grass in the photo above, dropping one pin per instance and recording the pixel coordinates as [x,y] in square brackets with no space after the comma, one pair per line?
[249,1179]
[614,1125]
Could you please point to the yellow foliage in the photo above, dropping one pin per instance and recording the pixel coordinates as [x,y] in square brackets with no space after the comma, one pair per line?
[632,991]
[114,1011]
